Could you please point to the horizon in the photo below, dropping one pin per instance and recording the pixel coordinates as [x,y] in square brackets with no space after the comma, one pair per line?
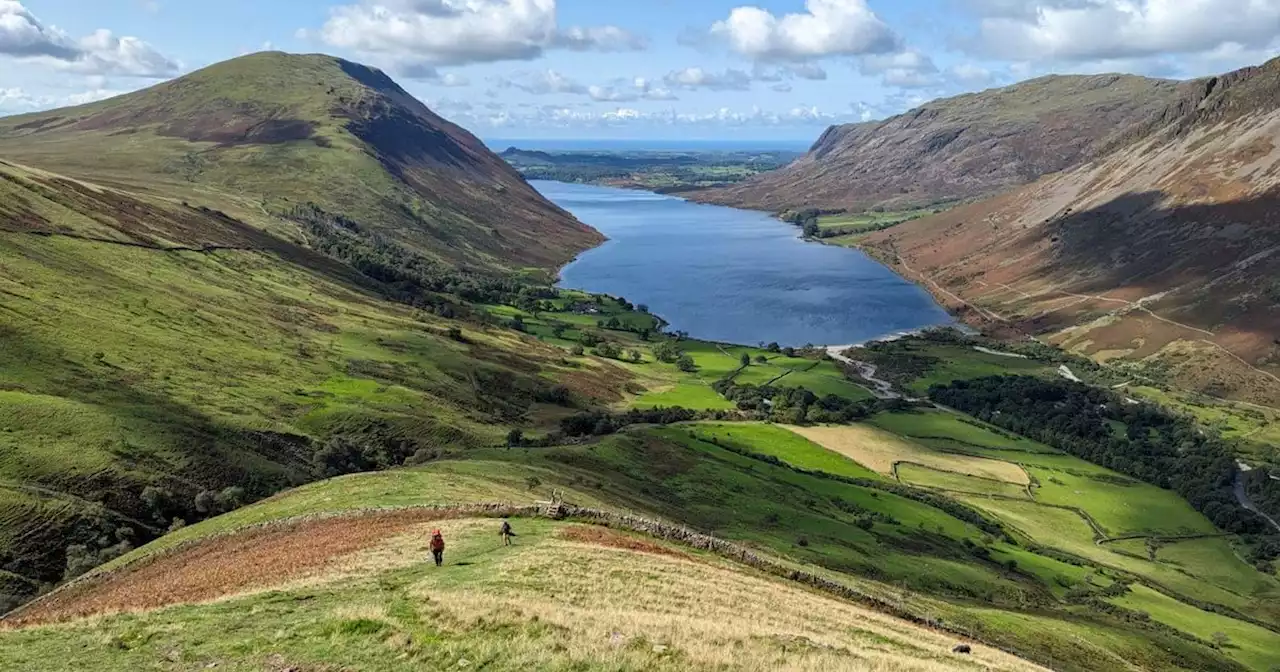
[775,70]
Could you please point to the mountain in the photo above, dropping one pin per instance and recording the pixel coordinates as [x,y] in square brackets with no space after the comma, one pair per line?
[1164,251]
[261,135]
[242,280]
[957,148]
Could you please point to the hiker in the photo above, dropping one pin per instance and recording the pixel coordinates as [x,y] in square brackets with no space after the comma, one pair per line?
[507,533]
[437,547]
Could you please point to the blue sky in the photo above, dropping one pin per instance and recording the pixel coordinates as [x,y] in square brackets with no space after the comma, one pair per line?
[637,69]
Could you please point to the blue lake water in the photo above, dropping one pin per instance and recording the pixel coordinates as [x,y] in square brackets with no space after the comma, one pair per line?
[733,275]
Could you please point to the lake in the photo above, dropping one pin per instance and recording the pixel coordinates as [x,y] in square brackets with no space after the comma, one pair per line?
[735,276]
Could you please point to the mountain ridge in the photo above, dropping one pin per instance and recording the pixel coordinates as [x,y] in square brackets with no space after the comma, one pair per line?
[958,148]
[274,130]
[1161,252]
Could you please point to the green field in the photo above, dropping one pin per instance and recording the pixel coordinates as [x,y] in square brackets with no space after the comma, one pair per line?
[1121,506]
[1249,644]
[782,444]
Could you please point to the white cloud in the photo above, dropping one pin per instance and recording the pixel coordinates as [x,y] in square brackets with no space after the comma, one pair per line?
[904,69]
[970,74]
[698,78]
[573,117]
[24,36]
[422,72]
[543,83]
[457,32]
[1084,30]
[600,38]
[649,91]
[16,100]
[827,28]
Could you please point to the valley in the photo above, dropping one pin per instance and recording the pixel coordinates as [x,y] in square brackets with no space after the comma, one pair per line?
[235,405]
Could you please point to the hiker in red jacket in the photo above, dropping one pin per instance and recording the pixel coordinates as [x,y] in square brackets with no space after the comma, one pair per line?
[437,547]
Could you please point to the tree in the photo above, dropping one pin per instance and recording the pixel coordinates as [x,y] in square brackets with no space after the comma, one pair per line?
[231,498]
[761,359]
[667,351]
[517,323]
[577,350]
[157,500]
[642,308]
[1221,640]
[515,438]
[811,229]
[456,334]
[773,347]
[685,363]
[745,360]
[206,501]
[636,356]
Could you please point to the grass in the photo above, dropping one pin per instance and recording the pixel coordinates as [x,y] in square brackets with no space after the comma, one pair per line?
[915,363]
[911,553]
[1255,647]
[169,139]
[781,443]
[1121,506]
[1217,562]
[915,474]
[1065,530]
[866,222]
[550,602]
[965,431]
[881,451]
[126,367]
[438,484]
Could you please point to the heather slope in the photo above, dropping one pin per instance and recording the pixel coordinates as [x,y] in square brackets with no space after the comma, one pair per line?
[957,148]
[1162,252]
[260,135]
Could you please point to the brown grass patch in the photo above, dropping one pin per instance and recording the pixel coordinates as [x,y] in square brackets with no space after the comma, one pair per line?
[603,536]
[879,450]
[219,567]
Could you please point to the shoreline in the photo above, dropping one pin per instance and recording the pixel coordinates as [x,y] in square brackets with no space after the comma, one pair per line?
[957,323]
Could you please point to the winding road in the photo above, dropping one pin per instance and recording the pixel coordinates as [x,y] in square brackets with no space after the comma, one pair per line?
[1243,498]
[883,389]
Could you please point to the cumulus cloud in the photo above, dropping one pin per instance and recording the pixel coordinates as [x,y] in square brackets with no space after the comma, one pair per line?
[826,28]
[1085,30]
[458,32]
[24,36]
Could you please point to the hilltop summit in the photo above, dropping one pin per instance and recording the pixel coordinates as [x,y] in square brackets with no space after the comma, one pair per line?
[274,130]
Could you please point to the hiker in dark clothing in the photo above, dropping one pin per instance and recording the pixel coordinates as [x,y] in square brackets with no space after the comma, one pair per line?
[507,533]
[437,547]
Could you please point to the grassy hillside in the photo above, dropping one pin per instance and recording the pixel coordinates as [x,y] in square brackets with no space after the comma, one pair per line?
[261,135]
[885,545]
[151,344]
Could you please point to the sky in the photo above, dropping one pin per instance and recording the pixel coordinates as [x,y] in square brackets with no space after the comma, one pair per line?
[779,70]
